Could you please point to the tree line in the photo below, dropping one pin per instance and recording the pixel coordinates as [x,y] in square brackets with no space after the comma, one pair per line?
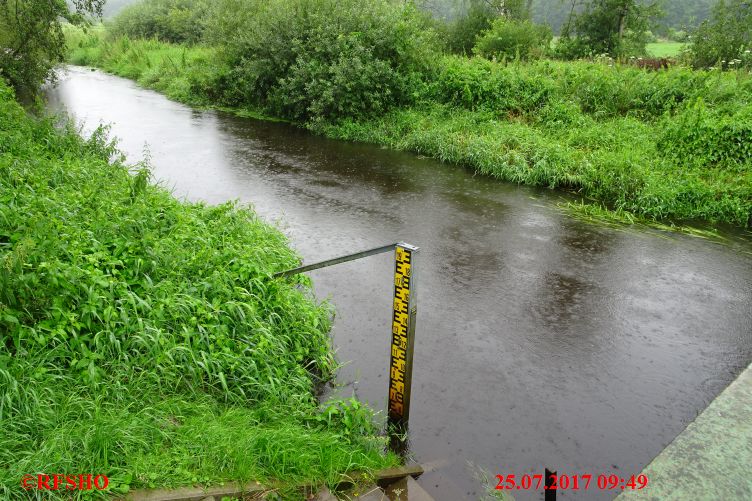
[32,41]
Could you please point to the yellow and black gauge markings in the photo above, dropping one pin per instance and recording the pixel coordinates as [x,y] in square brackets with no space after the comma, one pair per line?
[400,367]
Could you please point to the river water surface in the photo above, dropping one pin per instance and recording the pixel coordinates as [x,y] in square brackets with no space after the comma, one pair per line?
[541,340]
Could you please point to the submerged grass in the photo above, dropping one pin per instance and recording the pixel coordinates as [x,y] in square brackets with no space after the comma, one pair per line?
[143,338]
[666,146]
[593,213]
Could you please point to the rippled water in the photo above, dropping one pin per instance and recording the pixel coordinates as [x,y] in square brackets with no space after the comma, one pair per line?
[541,340]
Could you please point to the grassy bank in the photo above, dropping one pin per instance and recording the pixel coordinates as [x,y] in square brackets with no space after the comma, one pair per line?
[144,339]
[666,146]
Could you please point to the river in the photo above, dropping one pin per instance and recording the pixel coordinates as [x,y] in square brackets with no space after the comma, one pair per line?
[541,340]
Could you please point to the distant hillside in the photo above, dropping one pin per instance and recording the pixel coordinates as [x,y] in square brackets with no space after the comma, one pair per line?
[679,13]
[112,7]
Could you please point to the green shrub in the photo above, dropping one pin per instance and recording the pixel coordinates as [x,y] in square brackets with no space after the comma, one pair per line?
[599,90]
[480,84]
[561,114]
[570,48]
[701,138]
[177,21]
[462,33]
[323,59]
[510,39]
[677,35]
[726,38]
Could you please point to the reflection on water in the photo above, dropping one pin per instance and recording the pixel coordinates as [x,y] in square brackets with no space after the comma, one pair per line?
[542,341]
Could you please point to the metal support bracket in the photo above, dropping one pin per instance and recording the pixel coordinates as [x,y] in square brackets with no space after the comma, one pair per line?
[404,312]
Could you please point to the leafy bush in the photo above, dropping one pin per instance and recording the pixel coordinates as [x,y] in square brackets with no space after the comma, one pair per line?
[323,59]
[480,84]
[462,33]
[702,138]
[177,21]
[598,90]
[677,35]
[570,48]
[726,38]
[509,39]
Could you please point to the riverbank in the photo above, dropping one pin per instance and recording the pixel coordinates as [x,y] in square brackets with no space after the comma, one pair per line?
[664,146]
[143,337]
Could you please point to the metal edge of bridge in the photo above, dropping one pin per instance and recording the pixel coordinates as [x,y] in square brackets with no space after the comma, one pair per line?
[711,458]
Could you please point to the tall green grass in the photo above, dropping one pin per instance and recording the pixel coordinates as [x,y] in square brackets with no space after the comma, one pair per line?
[616,162]
[188,74]
[143,338]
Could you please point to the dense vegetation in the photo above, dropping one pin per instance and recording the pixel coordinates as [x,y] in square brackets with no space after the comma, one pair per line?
[181,21]
[615,27]
[667,145]
[143,338]
[325,59]
[726,38]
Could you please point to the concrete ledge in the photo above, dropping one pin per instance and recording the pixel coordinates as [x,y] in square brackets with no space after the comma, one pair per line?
[231,490]
[234,490]
[414,470]
[710,460]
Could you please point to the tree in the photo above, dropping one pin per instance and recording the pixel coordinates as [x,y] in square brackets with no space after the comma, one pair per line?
[615,27]
[453,9]
[31,37]
[724,38]
[511,9]
[478,16]
[509,39]
[685,14]
[464,31]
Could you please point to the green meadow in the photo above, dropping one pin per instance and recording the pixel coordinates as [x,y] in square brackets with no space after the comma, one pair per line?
[665,49]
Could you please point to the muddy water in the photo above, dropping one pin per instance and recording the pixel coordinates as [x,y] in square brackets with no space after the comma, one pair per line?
[542,340]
